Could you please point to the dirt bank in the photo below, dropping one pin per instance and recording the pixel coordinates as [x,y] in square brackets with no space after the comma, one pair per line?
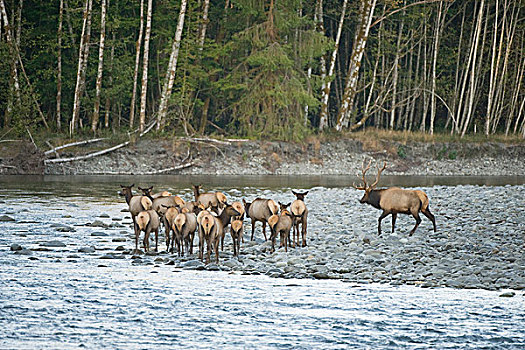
[342,156]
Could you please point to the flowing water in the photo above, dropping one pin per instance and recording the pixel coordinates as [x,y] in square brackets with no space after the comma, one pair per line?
[56,297]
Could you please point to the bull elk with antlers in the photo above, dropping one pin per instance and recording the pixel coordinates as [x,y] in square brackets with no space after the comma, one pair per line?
[395,200]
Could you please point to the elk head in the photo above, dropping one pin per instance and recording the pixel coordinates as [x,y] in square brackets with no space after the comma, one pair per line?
[368,188]
[300,196]
[147,191]
[126,190]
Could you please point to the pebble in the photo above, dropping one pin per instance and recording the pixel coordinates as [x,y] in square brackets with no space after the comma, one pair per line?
[5,218]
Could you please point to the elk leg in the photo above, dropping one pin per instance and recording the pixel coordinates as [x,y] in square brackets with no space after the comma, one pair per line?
[394,217]
[418,221]
[303,227]
[217,252]
[253,228]
[146,240]
[430,216]
[208,250]
[157,240]
[383,215]
[167,232]
[201,245]
[264,230]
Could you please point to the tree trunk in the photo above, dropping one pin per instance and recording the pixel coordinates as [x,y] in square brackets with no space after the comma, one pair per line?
[144,89]
[204,24]
[172,67]
[395,76]
[437,32]
[358,49]
[108,106]
[137,61]
[473,70]
[59,65]
[82,56]
[98,85]
[325,93]
[14,85]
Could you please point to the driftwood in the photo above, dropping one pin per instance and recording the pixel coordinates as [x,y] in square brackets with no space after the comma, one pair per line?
[98,153]
[78,143]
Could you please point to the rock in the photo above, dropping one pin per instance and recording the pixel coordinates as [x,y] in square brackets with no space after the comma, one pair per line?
[16,247]
[56,244]
[507,295]
[120,248]
[99,234]
[86,250]
[103,216]
[119,239]
[5,218]
[24,252]
[97,223]
[193,265]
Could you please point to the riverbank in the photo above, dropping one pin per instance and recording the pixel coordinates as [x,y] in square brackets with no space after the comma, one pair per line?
[248,157]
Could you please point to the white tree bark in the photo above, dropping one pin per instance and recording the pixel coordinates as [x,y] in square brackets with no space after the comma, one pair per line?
[137,61]
[204,24]
[172,67]
[59,66]
[84,42]
[144,90]
[325,92]
[437,32]
[98,85]
[366,15]
[473,70]
[14,82]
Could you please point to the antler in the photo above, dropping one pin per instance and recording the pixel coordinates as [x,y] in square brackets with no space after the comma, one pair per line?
[364,170]
[379,171]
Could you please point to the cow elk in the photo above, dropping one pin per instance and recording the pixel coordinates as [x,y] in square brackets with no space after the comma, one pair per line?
[394,200]
[260,210]
[215,201]
[300,217]
[184,227]
[147,221]
[136,205]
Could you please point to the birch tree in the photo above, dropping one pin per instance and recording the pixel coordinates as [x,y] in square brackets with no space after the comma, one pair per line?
[98,86]
[325,92]
[59,65]
[144,89]
[172,67]
[137,61]
[82,64]
[366,13]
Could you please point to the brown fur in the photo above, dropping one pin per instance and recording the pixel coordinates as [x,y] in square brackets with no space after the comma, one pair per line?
[209,200]
[395,200]
[280,224]
[147,221]
[184,227]
[260,210]
[208,234]
[236,232]
[300,217]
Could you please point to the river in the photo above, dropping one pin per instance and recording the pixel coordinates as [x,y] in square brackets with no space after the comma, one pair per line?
[57,297]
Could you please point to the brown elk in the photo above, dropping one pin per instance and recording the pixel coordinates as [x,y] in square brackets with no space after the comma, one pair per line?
[236,231]
[260,210]
[300,217]
[161,202]
[136,204]
[209,200]
[184,226]
[281,224]
[223,220]
[147,221]
[395,200]
[208,232]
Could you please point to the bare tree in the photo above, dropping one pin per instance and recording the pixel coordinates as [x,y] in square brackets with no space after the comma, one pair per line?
[82,64]
[59,65]
[137,60]
[98,85]
[366,14]
[172,67]
[144,90]
[325,92]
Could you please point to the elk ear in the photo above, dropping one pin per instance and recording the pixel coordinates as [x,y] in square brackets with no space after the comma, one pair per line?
[244,201]
[287,205]
[294,193]
[304,194]
[150,188]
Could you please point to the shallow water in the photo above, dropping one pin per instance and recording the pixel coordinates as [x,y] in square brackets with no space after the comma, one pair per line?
[60,298]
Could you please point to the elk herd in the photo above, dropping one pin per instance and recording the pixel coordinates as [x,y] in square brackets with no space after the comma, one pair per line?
[211,216]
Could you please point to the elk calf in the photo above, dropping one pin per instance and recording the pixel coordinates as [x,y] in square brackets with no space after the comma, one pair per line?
[236,231]
[300,216]
[260,210]
[281,224]
[395,200]
[136,204]
[215,200]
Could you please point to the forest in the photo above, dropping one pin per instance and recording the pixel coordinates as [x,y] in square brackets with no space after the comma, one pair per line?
[277,69]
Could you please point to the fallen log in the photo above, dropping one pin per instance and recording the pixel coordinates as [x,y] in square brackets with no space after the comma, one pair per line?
[98,153]
[78,143]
